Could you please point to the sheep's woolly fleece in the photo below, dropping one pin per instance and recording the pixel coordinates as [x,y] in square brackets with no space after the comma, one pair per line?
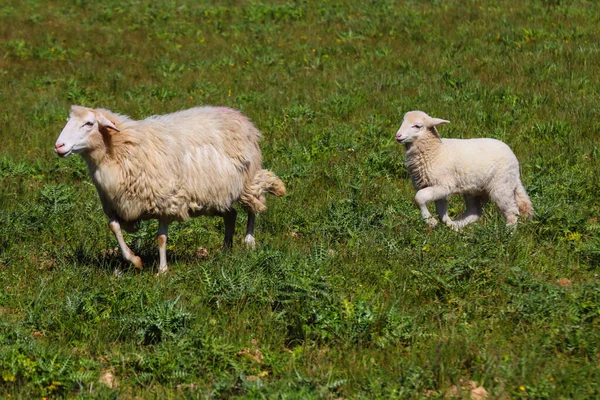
[193,162]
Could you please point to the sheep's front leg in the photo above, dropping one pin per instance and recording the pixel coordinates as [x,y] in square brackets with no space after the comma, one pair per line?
[249,239]
[163,230]
[229,219]
[128,255]
[427,195]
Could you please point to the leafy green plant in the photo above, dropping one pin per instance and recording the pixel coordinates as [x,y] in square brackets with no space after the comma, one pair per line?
[160,322]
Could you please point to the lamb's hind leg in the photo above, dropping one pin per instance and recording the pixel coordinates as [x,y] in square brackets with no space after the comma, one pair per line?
[229,219]
[163,230]
[507,204]
[128,255]
[249,238]
[472,213]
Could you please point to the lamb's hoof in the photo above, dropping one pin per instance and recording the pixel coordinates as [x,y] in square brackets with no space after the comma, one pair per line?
[250,242]
[431,222]
[117,273]
[162,270]
[454,226]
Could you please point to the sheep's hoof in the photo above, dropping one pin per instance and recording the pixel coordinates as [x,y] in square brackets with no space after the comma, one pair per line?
[117,273]
[137,263]
[431,222]
[162,270]
[250,242]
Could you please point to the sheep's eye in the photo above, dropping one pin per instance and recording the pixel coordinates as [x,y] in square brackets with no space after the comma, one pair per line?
[88,124]
[417,126]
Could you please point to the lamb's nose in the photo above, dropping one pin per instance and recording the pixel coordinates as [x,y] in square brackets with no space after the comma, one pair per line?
[57,148]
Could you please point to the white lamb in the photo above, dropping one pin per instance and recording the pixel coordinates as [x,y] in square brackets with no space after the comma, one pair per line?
[170,168]
[479,169]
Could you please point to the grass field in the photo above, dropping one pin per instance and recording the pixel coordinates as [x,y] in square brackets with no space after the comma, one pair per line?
[349,294]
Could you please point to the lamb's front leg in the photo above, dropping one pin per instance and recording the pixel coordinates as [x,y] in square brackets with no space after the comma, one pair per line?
[441,208]
[128,255]
[163,230]
[427,195]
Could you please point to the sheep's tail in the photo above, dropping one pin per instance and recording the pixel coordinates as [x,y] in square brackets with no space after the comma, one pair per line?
[264,181]
[523,202]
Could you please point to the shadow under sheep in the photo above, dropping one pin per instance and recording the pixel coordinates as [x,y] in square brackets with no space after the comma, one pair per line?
[110,260]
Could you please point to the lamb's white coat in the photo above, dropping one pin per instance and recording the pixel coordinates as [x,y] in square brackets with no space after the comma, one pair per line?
[171,167]
[479,169]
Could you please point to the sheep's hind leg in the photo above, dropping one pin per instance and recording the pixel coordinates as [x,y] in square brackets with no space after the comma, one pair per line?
[249,238]
[229,219]
[472,213]
[427,195]
[128,255]
[163,230]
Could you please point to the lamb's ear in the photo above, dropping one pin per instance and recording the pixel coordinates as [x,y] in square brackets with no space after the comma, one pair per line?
[431,123]
[105,124]
[436,121]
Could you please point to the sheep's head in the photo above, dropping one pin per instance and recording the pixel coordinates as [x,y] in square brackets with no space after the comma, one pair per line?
[82,124]
[416,125]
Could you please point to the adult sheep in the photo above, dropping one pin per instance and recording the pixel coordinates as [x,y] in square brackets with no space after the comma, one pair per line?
[170,168]
[479,169]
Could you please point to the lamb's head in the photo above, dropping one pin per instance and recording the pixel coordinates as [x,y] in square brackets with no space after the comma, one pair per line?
[83,123]
[416,125]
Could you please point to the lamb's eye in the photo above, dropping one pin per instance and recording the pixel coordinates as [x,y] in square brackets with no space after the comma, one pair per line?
[88,124]
[417,126]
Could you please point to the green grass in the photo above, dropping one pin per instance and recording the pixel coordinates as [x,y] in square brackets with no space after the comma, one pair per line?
[348,294]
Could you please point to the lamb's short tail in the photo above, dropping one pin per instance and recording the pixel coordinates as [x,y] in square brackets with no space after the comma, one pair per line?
[264,181]
[523,202]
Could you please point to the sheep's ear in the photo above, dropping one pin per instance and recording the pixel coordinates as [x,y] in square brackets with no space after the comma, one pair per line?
[437,121]
[106,124]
